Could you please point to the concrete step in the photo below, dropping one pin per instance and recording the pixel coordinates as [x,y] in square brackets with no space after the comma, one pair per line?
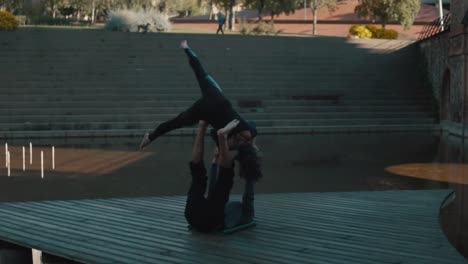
[192,87]
[142,117]
[204,50]
[337,98]
[43,110]
[211,62]
[250,103]
[142,75]
[85,81]
[260,122]
[144,54]
[139,70]
[195,91]
[210,58]
[244,63]
[160,78]
[167,45]
[138,133]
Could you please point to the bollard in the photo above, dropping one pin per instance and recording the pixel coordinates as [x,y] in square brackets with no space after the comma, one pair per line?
[24,161]
[42,164]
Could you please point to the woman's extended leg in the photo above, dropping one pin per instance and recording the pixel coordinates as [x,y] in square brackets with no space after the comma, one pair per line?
[209,87]
[187,118]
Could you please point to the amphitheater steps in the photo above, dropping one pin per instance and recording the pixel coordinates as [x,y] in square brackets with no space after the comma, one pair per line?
[92,82]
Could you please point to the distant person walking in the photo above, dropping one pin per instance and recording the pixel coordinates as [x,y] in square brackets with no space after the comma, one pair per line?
[221,22]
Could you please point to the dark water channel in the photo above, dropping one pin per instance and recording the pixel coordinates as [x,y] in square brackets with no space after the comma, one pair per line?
[114,167]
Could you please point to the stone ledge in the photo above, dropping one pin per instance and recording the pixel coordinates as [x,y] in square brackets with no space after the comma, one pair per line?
[454,129]
[192,131]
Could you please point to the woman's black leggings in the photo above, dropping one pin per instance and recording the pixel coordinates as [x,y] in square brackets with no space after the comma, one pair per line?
[211,95]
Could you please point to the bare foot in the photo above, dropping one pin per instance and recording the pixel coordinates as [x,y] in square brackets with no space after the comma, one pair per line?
[228,128]
[145,141]
[184,44]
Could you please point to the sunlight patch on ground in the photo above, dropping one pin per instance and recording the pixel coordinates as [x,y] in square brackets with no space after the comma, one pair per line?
[443,172]
[70,160]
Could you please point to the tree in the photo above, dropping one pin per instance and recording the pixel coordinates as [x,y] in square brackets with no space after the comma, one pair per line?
[403,11]
[258,4]
[67,11]
[278,7]
[274,7]
[94,8]
[184,7]
[315,5]
[12,6]
[103,7]
[52,6]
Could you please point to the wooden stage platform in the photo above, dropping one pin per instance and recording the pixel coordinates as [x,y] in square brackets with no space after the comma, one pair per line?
[343,227]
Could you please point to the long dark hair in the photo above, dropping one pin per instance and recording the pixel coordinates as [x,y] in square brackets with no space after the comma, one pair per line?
[249,162]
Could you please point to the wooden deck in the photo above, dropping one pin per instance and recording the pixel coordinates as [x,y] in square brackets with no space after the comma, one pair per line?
[348,227]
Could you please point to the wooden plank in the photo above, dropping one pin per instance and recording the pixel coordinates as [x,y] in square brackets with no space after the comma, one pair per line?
[349,227]
[92,233]
[161,241]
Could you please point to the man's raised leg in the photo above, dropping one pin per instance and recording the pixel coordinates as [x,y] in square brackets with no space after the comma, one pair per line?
[196,203]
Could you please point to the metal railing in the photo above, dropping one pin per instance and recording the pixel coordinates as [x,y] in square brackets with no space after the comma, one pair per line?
[436,27]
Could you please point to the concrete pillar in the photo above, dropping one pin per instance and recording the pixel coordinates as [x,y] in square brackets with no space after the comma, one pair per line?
[36,256]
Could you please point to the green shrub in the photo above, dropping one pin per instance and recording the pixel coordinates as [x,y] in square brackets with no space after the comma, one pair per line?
[260,28]
[8,21]
[380,33]
[21,20]
[371,31]
[264,28]
[244,27]
[360,31]
[128,21]
[390,34]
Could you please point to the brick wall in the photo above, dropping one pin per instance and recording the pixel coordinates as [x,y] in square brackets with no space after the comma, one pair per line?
[435,52]
[446,58]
